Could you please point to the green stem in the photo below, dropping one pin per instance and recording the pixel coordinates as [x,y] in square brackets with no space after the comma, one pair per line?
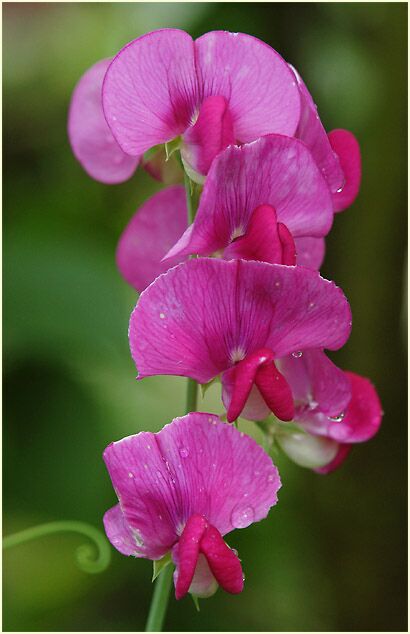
[86,554]
[163,583]
[159,601]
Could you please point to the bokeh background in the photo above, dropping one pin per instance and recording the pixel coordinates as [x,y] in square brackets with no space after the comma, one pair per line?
[332,554]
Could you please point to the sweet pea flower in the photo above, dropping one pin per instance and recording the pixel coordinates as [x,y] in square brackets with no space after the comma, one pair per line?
[149,235]
[208,317]
[92,141]
[337,153]
[334,410]
[220,89]
[181,491]
[267,201]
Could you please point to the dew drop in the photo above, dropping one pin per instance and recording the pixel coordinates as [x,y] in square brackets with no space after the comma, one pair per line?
[341,188]
[271,477]
[184,452]
[297,354]
[161,316]
[313,404]
[235,552]
[130,475]
[338,418]
[145,466]
[242,516]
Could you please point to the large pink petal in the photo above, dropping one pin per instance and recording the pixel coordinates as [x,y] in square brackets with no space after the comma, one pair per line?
[91,140]
[310,252]
[150,90]
[256,81]
[196,465]
[148,236]
[203,315]
[274,170]
[346,146]
[311,131]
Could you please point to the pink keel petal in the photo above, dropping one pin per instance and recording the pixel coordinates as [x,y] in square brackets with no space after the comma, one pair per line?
[150,91]
[244,376]
[91,139]
[212,132]
[148,236]
[265,240]
[188,552]
[255,407]
[346,146]
[340,457]
[222,561]
[275,391]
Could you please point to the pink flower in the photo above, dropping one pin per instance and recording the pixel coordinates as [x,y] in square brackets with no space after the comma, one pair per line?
[337,153]
[92,141]
[148,236]
[207,316]
[335,409]
[266,201]
[182,490]
[220,89]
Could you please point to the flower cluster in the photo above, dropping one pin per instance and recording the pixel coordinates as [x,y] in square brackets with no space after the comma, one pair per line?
[229,116]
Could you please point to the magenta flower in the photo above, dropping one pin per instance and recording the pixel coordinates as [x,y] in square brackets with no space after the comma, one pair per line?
[220,89]
[337,153]
[149,235]
[182,490]
[92,141]
[236,318]
[335,408]
[266,201]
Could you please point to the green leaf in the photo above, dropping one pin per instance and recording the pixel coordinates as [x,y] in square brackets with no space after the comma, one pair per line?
[160,564]
[172,146]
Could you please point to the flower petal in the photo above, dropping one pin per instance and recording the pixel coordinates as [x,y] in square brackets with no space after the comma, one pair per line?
[188,553]
[196,465]
[148,236]
[91,140]
[274,170]
[311,131]
[310,252]
[255,407]
[363,415]
[340,457]
[223,562]
[119,533]
[346,146]
[308,451]
[196,319]
[256,81]
[150,91]
[212,133]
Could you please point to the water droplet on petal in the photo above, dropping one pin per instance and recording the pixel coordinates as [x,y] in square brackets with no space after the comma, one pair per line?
[184,452]
[271,477]
[338,418]
[242,516]
[297,354]
[130,475]
[235,552]
[341,188]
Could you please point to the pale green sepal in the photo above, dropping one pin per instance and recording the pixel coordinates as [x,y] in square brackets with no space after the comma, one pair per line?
[195,599]
[205,386]
[171,147]
[149,154]
[160,564]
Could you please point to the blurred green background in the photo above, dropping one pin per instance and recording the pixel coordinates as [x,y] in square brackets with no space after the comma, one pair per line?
[332,554]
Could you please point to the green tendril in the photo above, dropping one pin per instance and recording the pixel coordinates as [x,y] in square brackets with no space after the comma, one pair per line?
[91,558]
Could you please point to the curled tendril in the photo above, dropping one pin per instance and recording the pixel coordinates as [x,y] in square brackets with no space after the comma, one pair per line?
[90,558]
